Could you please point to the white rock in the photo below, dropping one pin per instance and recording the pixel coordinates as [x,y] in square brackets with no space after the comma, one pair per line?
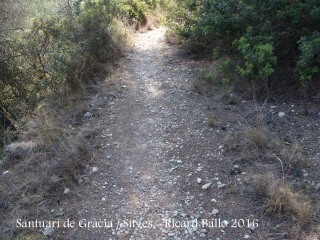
[214,200]
[318,187]
[224,223]
[236,167]
[5,172]
[175,213]
[221,185]
[95,169]
[103,199]
[206,186]
[88,114]
[179,162]
[305,173]
[215,212]
[66,191]
[281,114]
[199,180]
[246,236]
[251,227]
[48,231]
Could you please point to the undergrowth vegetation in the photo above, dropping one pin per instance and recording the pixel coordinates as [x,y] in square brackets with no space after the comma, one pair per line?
[55,47]
[274,186]
[54,53]
[264,38]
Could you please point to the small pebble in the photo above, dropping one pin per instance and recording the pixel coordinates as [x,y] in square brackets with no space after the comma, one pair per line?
[206,186]
[48,231]
[95,169]
[88,115]
[236,166]
[66,191]
[215,212]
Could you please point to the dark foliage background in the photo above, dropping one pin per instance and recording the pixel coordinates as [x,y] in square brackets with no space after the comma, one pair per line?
[267,36]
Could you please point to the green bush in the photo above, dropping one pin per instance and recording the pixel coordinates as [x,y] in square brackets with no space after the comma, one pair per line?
[53,47]
[265,34]
[55,54]
[258,56]
[309,63]
[135,11]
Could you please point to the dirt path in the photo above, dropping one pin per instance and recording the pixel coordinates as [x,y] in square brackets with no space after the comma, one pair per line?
[154,144]
[167,162]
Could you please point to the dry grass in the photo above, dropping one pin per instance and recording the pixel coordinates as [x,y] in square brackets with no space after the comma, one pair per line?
[154,19]
[282,201]
[284,204]
[293,159]
[213,121]
[120,34]
[230,98]
[231,142]
[258,136]
[48,158]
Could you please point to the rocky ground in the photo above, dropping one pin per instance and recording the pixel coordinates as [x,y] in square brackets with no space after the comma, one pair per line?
[160,171]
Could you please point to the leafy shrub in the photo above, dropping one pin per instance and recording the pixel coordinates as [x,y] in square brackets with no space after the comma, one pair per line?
[309,63]
[258,57]
[135,11]
[265,34]
[56,46]
[181,17]
[55,55]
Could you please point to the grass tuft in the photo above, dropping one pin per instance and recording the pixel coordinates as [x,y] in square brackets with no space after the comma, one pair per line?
[37,169]
[213,121]
[283,202]
[258,136]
